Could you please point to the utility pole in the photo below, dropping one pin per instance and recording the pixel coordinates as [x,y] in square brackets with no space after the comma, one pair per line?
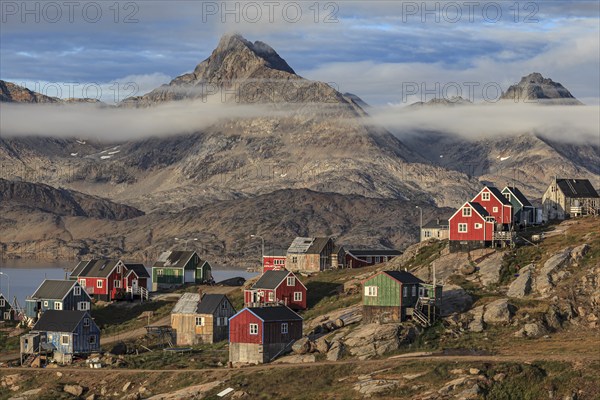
[263,245]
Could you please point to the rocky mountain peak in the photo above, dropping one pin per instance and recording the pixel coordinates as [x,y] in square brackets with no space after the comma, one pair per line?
[535,87]
[11,93]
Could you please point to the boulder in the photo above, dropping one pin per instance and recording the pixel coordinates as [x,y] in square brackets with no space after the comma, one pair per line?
[521,286]
[296,359]
[456,300]
[477,325]
[336,351]
[322,345]
[579,252]
[489,269]
[373,339]
[369,387]
[75,390]
[467,269]
[532,330]
[498,311]
[546,278]
[302,346]
[119,348]
[472,392]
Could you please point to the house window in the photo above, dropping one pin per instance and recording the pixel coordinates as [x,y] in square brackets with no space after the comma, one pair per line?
[176,273]
[405,291]
[270,296]
[291,281]
[421,292]
[199,321]
[77,291]
[371,291]
[414,291]
[369,260]
[86,322]
[221,321]
[462,227]
[7,315]
[426,234]
[466,211]
[284,328]
[485,196]
[82,282]
[254,329]
[57,305]
[159,272]
[478,226]
[294,259]
[117,283]
[224,305]
[118,269]
[64,339]
[83,306]
[45,303]
[93,339]
[99,284]
[495,209]
[507,195]
[2,302]
[297,296]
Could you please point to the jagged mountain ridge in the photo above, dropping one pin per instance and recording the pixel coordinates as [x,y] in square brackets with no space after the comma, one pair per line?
[534,87]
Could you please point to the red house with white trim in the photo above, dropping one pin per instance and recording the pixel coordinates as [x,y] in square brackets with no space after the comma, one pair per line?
[109,280]
[277,288]
[496,204]
[274,260]
[259,335]
[471,226]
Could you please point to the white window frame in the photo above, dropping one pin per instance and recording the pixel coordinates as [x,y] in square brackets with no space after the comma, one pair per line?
[224,305]
[371,291]
[201,320]
[284,328]
[253,329]
[99,284]
[58,305]
[294,259]
[83,306]
[485,196]
[62,340]
[117,284]
[495,209]
[92,339]
[463,228]
[297,296]
[86,322]
[45,303]
[507,195]
[421,291]
[6,315]
[159,272]
[291,281]
[119,269]
[414,291]
[82,282]
[2,302]
[271,296]
[478,226]
[404,291]
[77,290]
[467,212]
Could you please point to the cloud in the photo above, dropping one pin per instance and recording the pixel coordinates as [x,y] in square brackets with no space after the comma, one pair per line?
[561,123]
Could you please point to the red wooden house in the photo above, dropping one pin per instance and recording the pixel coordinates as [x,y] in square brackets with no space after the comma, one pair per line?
[277,288]
[274,260]
[471,227]
[109,280]
[258,335]
[496,205]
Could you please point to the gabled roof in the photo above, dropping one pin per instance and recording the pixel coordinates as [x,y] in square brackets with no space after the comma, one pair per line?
[7,302]
[95,268]
[271,279]
[53,289]
[517,194]
[374,252]
[498,194]
[437,224]
[175,259]
[577,188]
[271,314]
[187,304]
[210,302]
[403,276]
[60,321]
[308,245]
[475,206]
[139,269]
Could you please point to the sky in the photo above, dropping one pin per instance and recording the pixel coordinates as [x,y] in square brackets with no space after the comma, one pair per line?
[377,50]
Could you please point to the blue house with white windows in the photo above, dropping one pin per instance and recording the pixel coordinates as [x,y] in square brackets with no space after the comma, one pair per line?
[57,295]
[62,333]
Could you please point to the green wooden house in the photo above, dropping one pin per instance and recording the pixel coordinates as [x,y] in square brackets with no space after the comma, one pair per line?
[176,268]
[394,296]
[524,213]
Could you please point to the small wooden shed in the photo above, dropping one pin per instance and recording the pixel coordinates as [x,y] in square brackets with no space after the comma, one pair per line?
[198,318]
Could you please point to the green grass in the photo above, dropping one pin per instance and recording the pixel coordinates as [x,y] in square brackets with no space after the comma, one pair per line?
[202,356]
[8,343]
[115,318]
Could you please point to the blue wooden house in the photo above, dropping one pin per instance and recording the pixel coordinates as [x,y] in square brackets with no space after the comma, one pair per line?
[57,295]
[64,333]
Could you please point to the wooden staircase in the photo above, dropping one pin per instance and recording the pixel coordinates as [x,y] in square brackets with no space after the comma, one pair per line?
[419,316]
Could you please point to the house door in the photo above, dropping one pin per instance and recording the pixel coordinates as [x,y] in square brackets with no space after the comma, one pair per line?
[134,285]
[189,276]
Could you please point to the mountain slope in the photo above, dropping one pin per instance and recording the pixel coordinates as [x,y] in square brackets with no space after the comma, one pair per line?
[535,88]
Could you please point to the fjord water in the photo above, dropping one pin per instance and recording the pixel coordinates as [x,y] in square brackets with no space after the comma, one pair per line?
[25,276]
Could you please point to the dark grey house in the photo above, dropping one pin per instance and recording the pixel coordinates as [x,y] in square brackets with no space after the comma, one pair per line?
[57,295]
